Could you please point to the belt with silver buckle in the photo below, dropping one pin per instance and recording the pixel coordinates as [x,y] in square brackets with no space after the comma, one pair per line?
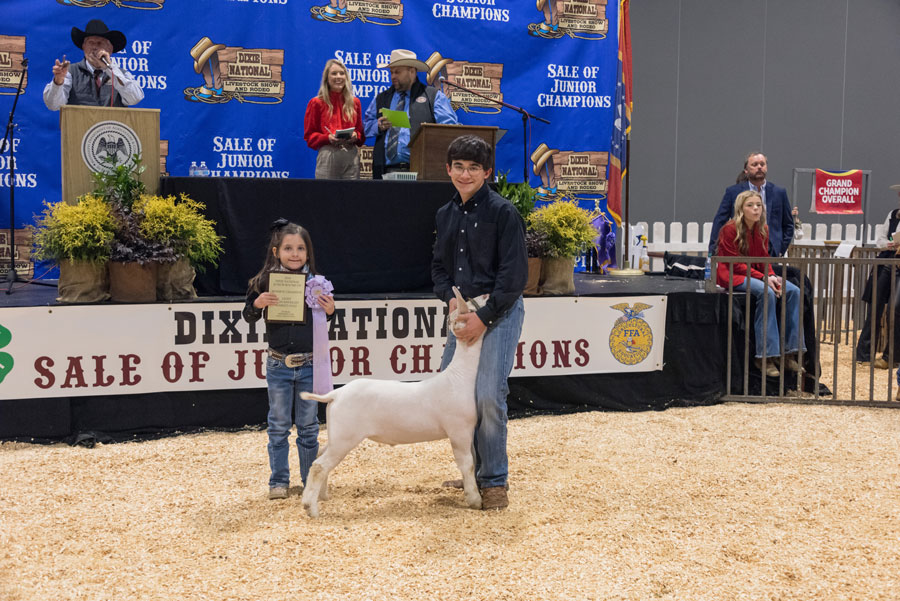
[293,360]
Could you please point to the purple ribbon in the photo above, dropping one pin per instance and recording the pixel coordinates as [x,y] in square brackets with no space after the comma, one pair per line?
[316,286]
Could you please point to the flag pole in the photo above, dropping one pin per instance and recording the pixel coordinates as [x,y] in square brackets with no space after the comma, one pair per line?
[624,105]
[626,269]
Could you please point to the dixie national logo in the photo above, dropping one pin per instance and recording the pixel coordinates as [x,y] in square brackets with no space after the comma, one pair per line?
[582,19]
[575,174]
[108,141]
[136,4]
[631,338]
[250,75]
[483,78]
[12,53]
[377,12]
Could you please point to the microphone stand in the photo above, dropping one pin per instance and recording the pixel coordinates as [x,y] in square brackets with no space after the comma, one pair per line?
[11,275]
[525,116]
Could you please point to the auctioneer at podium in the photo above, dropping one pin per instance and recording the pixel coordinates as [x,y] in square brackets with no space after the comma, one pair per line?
[91,136]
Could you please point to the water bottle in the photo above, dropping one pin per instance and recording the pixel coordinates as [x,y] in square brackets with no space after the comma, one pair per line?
[193,169]
[709,284]
[203,170]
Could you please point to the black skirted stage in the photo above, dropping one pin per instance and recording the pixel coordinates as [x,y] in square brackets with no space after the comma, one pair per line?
[373,240]
[693,374]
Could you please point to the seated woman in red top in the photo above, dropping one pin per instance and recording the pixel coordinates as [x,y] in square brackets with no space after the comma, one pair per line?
[333,125]
[747,235]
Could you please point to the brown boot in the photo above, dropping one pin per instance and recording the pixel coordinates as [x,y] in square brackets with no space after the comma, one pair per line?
[769,368]
[494,497]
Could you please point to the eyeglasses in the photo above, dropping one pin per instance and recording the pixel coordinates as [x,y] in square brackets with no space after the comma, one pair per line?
[471,170]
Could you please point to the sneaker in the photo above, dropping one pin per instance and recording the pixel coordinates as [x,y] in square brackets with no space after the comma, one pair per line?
[494,497]
[278,492]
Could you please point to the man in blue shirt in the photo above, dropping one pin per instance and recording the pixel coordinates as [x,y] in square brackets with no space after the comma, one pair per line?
[422,104]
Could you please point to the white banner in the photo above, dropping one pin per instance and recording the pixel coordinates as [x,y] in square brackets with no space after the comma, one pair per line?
[128,349]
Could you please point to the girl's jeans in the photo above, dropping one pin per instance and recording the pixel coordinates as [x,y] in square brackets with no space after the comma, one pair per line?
[285,385]
[498,351]
[768,330]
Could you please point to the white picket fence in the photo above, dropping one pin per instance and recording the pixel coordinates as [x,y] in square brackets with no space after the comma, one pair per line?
[691,238]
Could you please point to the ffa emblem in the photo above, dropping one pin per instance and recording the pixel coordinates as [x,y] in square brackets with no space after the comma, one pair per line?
[631,338]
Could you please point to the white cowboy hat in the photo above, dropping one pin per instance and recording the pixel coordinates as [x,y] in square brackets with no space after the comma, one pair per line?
[404,58]
[896,187]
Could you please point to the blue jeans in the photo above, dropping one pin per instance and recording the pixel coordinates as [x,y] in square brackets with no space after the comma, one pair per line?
[768,331]
[285,385]
[498,351]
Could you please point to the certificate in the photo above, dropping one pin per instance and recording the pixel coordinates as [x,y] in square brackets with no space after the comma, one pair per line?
[291,291]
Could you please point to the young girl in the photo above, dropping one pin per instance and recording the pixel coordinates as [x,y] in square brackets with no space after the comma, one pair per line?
[747,235]
[289,368]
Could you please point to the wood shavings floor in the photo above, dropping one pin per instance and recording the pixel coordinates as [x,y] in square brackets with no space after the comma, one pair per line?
[727,502]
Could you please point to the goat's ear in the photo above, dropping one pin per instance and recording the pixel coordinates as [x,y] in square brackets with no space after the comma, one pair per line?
[461,305]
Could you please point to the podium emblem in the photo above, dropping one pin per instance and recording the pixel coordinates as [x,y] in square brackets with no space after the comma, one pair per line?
[106,140]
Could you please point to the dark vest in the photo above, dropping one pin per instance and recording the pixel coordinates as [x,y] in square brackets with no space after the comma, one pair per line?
[419,113]
[84,90]
[892,227]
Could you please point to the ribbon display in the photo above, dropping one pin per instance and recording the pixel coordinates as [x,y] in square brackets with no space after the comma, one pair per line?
[316,286]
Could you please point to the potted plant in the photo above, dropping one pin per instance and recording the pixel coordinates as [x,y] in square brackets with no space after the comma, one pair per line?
[569,231]
[536,248]
[521,194]
[78,237]
[179,225]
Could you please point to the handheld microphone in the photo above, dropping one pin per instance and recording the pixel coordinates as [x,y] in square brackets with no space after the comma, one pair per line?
[442,79]
[105,61]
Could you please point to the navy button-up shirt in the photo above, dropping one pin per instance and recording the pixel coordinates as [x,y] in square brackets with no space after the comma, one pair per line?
[480,249]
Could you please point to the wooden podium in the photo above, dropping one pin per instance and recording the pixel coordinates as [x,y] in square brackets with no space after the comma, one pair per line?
[90,133]
[428,148]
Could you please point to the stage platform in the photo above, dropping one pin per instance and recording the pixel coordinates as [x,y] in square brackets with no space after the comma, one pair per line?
[693,373]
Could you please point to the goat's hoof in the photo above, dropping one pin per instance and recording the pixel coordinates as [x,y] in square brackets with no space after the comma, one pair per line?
[311,510]
[474,503]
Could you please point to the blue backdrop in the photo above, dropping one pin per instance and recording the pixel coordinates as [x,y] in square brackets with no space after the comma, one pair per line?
[555,58]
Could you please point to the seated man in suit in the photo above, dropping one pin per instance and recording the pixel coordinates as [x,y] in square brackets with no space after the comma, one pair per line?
[94,80]
[390,152]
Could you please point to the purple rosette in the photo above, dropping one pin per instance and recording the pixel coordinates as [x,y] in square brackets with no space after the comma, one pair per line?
[317,286]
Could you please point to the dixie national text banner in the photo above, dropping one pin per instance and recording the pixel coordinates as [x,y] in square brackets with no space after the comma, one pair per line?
[232,79]
[99,350]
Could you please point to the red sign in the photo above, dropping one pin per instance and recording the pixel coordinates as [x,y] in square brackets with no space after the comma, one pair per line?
[838,192]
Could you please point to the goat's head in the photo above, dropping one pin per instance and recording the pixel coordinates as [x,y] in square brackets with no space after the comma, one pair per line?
[463,307]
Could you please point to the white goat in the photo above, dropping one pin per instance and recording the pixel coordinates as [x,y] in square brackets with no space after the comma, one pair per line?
[391,412]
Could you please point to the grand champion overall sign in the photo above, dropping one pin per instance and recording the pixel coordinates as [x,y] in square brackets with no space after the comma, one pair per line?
[838,192]
[110,349]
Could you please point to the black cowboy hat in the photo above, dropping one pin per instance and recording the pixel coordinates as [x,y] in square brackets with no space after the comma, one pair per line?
[98,28]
